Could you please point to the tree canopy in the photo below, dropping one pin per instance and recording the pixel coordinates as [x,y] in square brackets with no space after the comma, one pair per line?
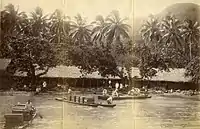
[38,42]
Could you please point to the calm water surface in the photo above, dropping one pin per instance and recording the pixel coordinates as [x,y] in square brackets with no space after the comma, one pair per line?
[154,113]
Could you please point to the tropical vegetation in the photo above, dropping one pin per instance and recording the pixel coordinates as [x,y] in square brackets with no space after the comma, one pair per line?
[37,42]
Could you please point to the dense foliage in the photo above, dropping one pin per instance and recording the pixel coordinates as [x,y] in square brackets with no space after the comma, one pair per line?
[170,43]
[38,42]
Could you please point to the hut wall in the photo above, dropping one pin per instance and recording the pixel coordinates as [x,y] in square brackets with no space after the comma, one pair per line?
[165,84]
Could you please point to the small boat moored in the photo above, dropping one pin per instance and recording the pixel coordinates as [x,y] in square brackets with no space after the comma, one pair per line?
[107,105]
[19,118]
[125,97]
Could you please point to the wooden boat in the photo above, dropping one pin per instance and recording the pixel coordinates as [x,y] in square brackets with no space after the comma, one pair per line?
[124,97]
[182,96]
[107,105]
[19,118]
[79,103]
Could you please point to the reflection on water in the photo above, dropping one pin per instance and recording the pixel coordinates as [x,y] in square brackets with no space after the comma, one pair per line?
[154,113]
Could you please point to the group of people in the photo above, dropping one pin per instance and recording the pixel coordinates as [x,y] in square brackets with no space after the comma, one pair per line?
[39,88]
[114,93]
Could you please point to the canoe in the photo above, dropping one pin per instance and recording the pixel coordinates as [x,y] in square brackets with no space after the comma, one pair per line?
[27,123]
[182,96]
[18,119]
[83,104]
[124,97]
[107,105]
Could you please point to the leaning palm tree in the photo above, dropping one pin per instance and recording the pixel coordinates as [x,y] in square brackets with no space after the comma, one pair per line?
[59,26]
[115,28]
[80,31]
[191,34]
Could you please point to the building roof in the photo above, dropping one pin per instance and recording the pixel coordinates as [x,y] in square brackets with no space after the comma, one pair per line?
[4,63]
[67,72]
[175,75]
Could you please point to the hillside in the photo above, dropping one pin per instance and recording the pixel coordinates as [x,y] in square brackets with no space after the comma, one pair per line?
[180,10]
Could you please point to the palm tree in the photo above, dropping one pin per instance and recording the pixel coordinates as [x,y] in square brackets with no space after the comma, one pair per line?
[150,31]
[80,31]
[13,24]
[97,31]
[38,23]
[191,34]
[171,28]
[59,26]
[115,28]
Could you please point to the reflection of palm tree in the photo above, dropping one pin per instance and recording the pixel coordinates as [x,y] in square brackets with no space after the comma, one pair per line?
[59,26]
[191,34]
[115,28]
[80,32]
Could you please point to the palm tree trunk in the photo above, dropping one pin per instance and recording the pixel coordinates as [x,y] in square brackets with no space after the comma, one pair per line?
[190,51]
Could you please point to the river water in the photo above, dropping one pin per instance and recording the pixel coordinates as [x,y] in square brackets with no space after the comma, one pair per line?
[154,113]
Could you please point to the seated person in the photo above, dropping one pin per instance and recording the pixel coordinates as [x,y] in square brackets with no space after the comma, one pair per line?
[109,100]
[105,92]
[29,107]
[115,93]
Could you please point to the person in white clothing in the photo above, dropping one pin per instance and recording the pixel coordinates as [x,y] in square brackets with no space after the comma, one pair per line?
[69,91]
[116,85]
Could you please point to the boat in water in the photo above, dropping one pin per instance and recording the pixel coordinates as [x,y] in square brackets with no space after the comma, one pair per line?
[107,105]
[19,118]
[84,101]
[124,97]
[182,96]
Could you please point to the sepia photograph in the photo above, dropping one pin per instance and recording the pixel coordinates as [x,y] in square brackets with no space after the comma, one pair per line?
[100,64]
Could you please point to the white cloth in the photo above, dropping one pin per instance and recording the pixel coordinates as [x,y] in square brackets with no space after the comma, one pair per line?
[116,85]
[121,86]
[44,84]
[37,90]
[69,91]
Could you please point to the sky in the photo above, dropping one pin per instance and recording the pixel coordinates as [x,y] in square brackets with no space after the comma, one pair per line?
[92,8]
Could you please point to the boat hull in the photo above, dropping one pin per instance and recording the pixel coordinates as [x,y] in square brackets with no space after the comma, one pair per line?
[107,105]
[21,125]
[83,104]
[123,97]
